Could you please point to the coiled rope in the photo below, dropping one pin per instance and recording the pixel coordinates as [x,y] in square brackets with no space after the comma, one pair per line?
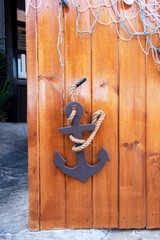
[97,119]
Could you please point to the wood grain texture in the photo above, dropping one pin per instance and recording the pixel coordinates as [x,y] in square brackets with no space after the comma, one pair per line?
[52,180]
[105,97]
[153,141]
[32,118]
[77,66]
[117,83]
[132,131]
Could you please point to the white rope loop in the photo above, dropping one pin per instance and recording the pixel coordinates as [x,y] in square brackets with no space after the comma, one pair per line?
[32,5]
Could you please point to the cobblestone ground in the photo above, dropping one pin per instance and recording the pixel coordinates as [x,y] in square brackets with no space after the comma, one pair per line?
[14,197]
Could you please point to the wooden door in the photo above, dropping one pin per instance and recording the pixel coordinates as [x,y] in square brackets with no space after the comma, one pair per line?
[125,85]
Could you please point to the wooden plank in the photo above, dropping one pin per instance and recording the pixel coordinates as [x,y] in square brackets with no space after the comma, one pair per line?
[52,180]
[132,130]
[153,144]
[153,139]
[105,97]
[77,66]
[32,118]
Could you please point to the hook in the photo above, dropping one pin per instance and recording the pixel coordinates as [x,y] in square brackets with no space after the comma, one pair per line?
[80,82]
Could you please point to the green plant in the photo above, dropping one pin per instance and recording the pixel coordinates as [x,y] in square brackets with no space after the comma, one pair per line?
[4,98]
[5,86]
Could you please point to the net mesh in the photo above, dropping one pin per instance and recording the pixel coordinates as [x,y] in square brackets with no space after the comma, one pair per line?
[148,13]
[145,13]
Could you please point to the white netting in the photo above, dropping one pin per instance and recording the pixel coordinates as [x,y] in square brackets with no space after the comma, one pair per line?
[147,12]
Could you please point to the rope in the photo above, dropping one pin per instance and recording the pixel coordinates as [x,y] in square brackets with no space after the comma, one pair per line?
[97,119]
[71,91]
[63,3]
[33,6]
[59,34]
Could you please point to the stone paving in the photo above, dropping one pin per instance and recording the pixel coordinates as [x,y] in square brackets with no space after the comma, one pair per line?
[14,197]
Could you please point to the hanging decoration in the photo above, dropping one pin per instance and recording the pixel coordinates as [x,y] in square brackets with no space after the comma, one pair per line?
[148,12]
[74,112]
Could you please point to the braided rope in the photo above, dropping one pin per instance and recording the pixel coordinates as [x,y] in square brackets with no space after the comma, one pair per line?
[71,91]
[97,119]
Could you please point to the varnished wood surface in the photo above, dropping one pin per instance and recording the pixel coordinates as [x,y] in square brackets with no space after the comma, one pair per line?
[52,181]
[132,131]
[153,145]
[105,97]
[32,119]
[153,142]
[77,66]
[126,193]
[153,138]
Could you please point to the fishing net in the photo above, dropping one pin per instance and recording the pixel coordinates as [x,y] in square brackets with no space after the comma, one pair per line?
[146,13]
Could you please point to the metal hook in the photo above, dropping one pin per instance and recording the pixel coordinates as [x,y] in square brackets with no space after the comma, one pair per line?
[80,82]
[65,3]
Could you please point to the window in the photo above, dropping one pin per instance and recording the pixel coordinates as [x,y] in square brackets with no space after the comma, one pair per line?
[21,41]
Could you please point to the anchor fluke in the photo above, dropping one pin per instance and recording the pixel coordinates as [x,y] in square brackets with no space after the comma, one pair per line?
[82,170]
[58,160]
[103,155]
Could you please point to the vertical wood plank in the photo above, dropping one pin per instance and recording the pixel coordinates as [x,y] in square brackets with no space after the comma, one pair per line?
[32,118]
[132,131]
[153,140]
[153,145]
[77,66]
[105,97]
[52,181]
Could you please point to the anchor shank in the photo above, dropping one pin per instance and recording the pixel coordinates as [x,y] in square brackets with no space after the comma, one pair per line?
[81,159]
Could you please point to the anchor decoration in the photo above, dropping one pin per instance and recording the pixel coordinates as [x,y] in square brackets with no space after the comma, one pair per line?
[82,170]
